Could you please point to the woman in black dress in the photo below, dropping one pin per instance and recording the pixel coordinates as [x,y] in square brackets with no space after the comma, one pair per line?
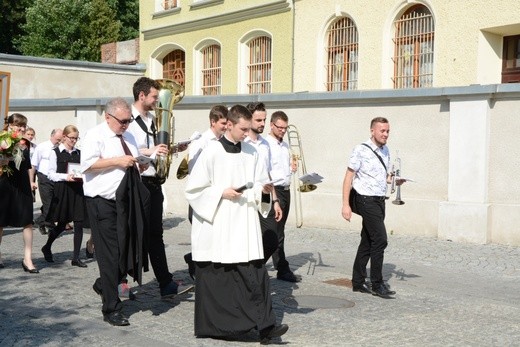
[16,198]
[68,203]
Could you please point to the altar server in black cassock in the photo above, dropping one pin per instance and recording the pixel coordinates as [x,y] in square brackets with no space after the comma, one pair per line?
[231,282]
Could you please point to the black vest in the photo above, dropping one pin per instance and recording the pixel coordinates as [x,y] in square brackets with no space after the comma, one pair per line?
[64,158]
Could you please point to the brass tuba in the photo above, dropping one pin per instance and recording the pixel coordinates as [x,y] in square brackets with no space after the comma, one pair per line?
[170,94]
[297,156]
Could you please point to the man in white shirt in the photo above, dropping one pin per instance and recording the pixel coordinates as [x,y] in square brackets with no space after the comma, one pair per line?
[146,93]
[282,166]
[107,152]
[217,128]
[259,115]
[40,163]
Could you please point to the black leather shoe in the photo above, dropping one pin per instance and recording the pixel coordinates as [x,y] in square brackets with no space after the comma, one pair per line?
[390,292]
[78,263]
[169,291]
[275,331]
[382,292]
[31,271]
[116,319]
[43,230]
[47,254]
[289,277]
[363,288]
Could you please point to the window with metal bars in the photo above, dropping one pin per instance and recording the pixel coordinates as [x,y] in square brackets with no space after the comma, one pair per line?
[259,66]
[342,55]
[211,70]
[169,4]
[174,66]
[511,59]
[413,49]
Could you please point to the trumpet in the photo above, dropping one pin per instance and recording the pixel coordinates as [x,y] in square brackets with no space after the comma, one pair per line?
[396,172]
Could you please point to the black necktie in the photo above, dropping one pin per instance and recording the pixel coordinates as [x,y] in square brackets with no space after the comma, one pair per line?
[125,147]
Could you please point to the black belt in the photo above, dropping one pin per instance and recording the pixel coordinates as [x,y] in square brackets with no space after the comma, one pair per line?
[283,187]
[373,197]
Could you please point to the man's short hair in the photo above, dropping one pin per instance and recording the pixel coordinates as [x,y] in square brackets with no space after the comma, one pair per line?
[218,112]
[115,104]
[144,84]
[255,106]
[238,111]
[378,120]
[279,115]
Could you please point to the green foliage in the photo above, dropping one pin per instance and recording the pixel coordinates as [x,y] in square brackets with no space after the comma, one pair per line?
[11,18]
[76,29]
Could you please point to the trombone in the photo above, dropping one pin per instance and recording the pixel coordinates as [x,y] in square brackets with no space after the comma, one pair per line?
[298,157]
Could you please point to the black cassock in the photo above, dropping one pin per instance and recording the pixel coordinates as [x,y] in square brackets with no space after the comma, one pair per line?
[232,299]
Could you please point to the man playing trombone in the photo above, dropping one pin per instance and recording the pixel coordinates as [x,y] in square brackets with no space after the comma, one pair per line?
[368,174]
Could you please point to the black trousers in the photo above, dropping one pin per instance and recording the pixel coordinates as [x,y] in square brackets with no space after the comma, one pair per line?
[273,232]
[373,241]
[103,223]
[46,190]
[156,250]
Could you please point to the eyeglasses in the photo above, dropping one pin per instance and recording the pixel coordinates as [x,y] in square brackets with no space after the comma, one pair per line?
[279,127]
[73,138]
[122,122]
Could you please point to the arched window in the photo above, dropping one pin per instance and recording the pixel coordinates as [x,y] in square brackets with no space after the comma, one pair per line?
[413,48]
[169,4]
[174,66]
[259,66]
[342,55]
[211,70]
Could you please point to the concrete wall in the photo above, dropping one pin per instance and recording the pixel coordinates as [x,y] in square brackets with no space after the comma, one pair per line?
[456,143]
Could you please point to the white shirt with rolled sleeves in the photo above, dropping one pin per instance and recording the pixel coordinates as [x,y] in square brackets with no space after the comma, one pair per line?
[102,143]
[280,160]
[370,175]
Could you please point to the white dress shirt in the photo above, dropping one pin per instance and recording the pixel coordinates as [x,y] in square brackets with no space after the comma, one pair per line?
[53,165]
[41,155]
[143,139]
[262,147]
[280,160]
[101,142]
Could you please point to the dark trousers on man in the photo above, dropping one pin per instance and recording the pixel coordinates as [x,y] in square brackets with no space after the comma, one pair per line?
[103,223]
[155,237]
[373,241]
[46,190]
[273,232]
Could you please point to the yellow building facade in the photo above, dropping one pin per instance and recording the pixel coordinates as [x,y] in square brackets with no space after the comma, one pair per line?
[330,45]
[220,44]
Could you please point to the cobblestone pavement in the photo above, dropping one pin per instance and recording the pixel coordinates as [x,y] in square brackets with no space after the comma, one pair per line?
[448,294]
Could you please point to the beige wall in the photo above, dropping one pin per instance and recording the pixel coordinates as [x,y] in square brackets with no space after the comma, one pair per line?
[459,144]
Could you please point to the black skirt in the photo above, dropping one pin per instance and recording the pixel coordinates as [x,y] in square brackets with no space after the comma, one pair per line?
[68,203]
[232,299]
[16,198]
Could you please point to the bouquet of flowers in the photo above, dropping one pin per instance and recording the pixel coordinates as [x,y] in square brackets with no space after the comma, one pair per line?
[10,150]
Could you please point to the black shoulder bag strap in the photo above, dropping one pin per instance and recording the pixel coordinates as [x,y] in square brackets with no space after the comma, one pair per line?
[377,155]
[143,126]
